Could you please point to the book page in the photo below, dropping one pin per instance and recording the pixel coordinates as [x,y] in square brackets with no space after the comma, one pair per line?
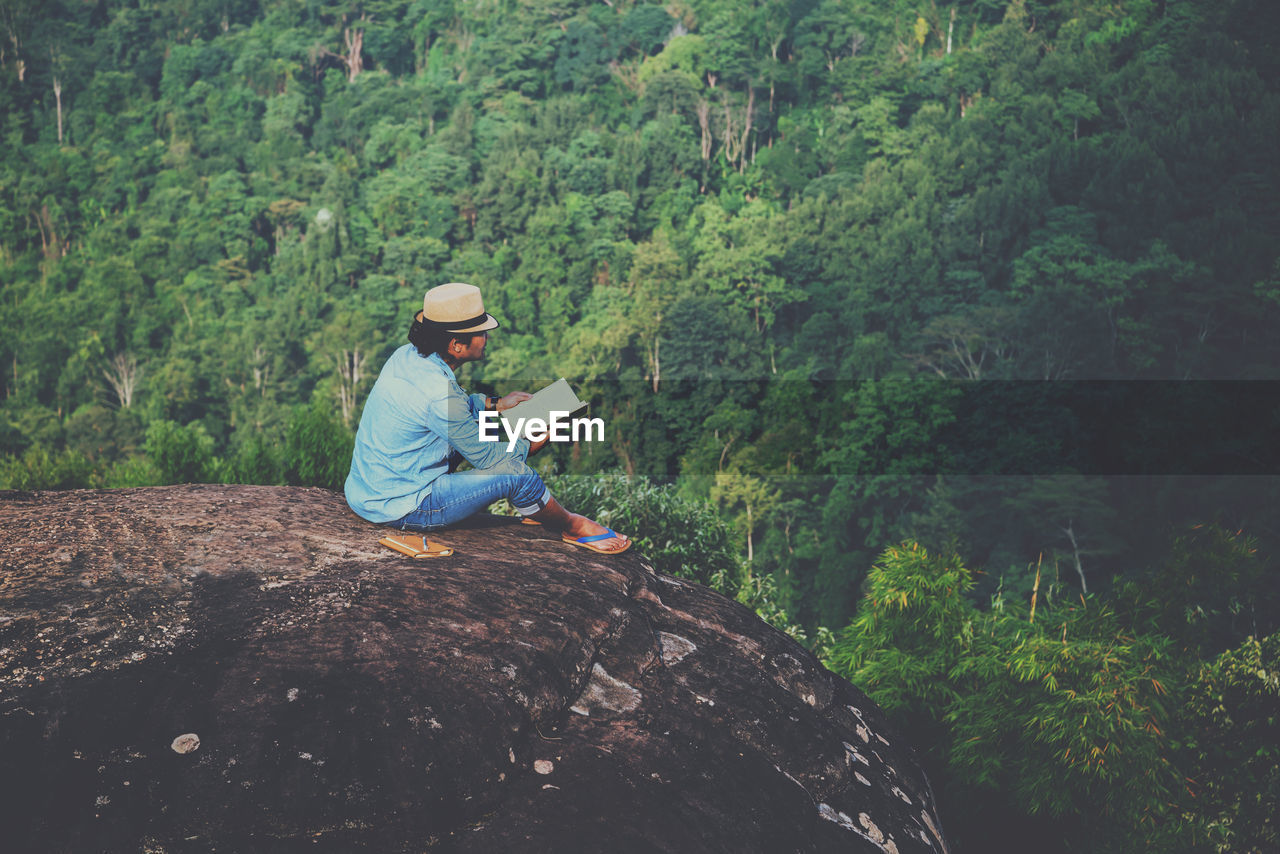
[557,397]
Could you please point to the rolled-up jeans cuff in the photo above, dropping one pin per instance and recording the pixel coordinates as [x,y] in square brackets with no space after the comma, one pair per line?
[538,504]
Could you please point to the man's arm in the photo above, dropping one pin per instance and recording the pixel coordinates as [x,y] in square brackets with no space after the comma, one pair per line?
[454,417]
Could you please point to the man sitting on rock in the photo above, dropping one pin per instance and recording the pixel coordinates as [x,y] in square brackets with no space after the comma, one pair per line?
[418,424]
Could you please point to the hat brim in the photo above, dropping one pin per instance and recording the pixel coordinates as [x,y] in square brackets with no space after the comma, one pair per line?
[488,323]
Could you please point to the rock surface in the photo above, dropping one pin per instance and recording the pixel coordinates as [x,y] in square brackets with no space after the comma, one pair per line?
[244,669]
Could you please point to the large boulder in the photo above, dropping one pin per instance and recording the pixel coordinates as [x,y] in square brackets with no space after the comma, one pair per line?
[244,669]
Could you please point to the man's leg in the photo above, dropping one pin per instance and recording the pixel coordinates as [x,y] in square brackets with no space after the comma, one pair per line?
[457,495]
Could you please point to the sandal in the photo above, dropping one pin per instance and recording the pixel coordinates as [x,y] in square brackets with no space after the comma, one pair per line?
[415,545]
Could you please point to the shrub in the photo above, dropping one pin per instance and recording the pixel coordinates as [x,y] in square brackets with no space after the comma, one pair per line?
[181,454]
[317,449]
[39,468]
[257,461]
[1230,751]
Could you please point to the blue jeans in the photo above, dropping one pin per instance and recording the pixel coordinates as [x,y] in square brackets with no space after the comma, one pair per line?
[457,495]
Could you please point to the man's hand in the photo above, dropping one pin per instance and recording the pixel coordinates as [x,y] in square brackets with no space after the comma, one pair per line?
[505,403]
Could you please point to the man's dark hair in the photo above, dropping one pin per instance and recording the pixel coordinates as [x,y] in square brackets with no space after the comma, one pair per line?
[429,339]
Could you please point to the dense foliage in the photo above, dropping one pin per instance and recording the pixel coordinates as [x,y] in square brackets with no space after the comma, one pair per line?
[805,257]
[1065,722]
[1232,727]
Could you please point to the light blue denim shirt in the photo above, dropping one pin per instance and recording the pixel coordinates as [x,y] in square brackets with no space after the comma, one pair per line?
[416,421]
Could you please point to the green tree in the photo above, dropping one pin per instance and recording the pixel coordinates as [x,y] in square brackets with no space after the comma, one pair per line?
[1057,711]
[345,347]
[733,490]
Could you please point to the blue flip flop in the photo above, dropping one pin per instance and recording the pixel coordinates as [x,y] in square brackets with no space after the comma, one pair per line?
[588,542]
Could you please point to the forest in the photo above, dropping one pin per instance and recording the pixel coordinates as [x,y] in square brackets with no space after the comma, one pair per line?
[943,335]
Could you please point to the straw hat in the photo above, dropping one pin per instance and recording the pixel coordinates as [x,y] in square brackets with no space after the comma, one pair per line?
[456,307]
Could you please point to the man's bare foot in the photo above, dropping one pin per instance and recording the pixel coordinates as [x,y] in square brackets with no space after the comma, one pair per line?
[581,526]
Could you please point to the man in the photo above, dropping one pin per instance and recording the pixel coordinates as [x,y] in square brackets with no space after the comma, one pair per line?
[418,424]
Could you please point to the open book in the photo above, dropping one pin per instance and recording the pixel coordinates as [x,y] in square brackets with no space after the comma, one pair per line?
[557,397]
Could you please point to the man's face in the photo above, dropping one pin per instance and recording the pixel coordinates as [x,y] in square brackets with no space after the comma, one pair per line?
[473,352]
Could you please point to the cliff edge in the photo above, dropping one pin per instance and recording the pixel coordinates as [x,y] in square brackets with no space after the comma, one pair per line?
[244,669]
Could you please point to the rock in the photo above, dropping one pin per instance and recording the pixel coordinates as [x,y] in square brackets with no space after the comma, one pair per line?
[239,668]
